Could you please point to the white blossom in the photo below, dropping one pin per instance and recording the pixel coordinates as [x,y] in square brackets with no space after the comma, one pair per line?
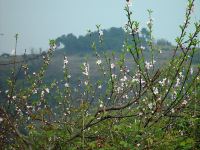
[100,33]
[184,102]
[1,119]
[181,74]
[112,65]
[101,105]
[98,62]
[86,82]
[66,85]
[42,94]
[191,70]
[142,47]
[148,23]
[150,105]
[140,113]
[86,69]
[125,96]
[142,82]
[119,89]
[134,80]
[35,91]
[129,3]
[123,79]
[47,90]
[29,106]
[100,86]
[148,65]
[114,75]
[155,90]
[177,82]
[162,83]
[65,62]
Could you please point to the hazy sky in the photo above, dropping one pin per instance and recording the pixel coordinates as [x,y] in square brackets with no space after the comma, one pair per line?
[37,21]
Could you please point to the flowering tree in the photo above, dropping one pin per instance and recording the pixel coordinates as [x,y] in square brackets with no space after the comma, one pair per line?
[143,106]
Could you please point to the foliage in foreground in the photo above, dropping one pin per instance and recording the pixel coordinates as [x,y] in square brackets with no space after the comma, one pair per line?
[145,106]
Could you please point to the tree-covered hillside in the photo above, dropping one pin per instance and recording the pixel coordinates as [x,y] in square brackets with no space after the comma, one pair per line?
[113,39]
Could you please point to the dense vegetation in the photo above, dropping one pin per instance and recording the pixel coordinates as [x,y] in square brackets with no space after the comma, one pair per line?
[113,39]
[130,99]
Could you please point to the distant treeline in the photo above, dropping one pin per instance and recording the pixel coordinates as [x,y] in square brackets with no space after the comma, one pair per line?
[113,39]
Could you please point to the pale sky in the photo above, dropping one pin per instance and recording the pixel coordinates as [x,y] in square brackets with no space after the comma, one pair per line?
[37,21]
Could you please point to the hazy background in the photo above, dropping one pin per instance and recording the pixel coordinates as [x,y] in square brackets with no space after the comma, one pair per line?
[37,21]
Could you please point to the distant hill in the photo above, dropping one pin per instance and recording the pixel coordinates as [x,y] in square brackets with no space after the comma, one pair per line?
[113,39]
[76,48]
